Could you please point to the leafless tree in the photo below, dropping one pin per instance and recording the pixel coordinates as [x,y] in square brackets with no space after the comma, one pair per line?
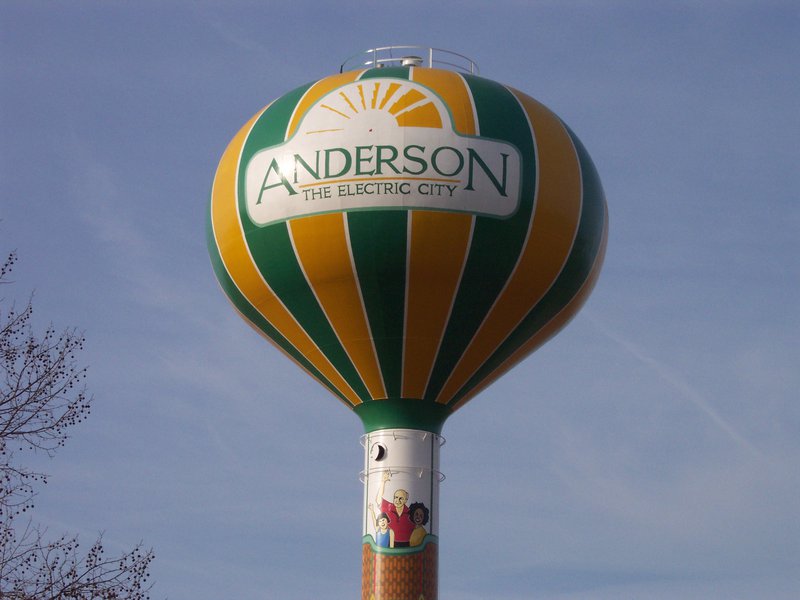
[42,395]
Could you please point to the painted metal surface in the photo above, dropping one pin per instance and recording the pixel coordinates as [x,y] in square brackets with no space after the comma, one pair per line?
[406,235]
[400,533]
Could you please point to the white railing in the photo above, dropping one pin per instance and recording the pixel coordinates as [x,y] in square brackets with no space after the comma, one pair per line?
[410,56]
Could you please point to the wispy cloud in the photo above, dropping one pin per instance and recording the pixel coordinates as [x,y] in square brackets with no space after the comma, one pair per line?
[686,390]
[136,255]
[235,36]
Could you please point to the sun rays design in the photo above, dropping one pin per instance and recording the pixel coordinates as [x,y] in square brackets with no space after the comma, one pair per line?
[409,106]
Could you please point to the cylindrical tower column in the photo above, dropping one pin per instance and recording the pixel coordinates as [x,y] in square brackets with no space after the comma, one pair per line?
[401,515]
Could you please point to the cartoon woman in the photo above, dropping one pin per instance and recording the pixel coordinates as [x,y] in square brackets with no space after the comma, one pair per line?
[419,516]
[384,537]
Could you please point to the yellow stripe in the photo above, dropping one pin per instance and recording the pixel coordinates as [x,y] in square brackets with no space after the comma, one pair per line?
[450,87]
[437,250]
[314,93]
[438,246]
[554,224]
[323,251]
[551,328]
[239,265]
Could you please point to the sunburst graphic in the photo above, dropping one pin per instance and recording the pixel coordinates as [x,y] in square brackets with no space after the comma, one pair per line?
[375,103]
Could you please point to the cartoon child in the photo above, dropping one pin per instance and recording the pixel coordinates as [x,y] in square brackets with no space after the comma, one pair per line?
[397,511]
[384,537]
[419,516]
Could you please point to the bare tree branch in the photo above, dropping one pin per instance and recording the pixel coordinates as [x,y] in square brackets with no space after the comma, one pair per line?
[42,395]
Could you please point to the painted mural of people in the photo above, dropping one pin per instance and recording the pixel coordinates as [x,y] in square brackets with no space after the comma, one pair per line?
[419,516]
[397,511]
[384,537]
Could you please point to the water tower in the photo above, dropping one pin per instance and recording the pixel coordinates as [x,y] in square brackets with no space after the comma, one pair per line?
[406,231]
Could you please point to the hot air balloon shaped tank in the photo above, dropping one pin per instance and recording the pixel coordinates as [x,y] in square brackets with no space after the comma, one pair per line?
[406,234]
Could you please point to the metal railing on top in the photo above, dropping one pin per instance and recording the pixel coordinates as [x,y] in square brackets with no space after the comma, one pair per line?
[410,56]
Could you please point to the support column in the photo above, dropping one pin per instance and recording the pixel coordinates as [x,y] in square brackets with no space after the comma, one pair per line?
[400,529]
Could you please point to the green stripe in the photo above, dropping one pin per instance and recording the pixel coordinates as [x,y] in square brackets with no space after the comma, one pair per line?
[378,241]
[392,72]
[576,270]
[403,413]
[428,539]
[256,318]
[274,255]
[496,243]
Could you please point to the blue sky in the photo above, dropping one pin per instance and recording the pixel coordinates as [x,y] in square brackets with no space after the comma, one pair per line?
[651,450]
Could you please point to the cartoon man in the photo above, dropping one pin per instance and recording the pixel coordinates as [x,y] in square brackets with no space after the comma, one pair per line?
[397,511]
